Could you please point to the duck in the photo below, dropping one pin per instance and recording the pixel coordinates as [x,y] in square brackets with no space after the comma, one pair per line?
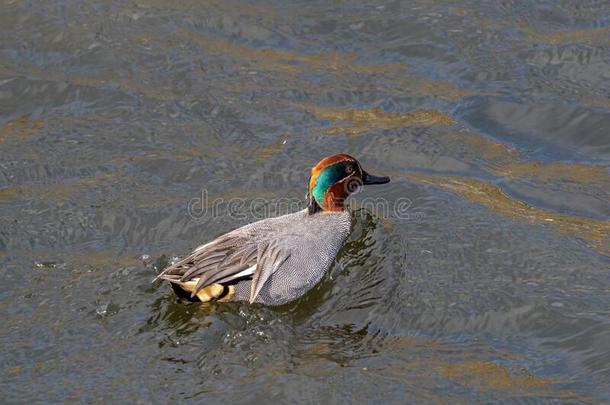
[276,260]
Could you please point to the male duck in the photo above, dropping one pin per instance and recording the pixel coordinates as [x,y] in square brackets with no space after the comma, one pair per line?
[276,260]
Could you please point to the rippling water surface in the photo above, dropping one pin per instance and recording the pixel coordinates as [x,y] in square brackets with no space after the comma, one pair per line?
[492,118]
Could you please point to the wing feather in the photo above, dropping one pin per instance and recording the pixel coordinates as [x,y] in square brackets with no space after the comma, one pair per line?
[234,255]
[271,256]
[223,258]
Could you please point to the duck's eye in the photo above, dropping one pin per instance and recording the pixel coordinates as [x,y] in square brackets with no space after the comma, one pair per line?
[349,169]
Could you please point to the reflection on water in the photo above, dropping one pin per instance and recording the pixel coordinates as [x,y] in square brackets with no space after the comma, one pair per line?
[492,119]
[375,119]
[493,198]
[590,36]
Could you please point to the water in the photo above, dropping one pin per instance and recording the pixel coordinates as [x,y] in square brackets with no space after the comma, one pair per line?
[492,118]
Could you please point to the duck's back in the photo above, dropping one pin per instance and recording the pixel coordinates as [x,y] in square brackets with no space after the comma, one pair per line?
[311,243]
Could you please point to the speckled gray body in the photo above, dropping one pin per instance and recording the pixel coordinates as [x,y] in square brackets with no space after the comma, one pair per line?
[288,255]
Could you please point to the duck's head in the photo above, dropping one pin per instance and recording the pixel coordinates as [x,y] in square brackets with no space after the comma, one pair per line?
[333,179]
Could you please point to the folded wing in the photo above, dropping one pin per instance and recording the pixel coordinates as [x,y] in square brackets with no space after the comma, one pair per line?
[230,257]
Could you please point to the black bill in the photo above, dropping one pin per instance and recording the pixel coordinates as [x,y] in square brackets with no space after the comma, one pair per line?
[370,179]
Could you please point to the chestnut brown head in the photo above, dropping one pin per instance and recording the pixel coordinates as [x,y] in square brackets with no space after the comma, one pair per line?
[333,179]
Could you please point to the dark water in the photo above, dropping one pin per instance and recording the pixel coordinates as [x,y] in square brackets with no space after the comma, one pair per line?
[493,119]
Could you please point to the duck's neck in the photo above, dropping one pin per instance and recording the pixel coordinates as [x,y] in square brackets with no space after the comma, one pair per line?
[330,203]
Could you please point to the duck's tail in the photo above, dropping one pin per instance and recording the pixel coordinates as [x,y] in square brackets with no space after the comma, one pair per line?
[184,289]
